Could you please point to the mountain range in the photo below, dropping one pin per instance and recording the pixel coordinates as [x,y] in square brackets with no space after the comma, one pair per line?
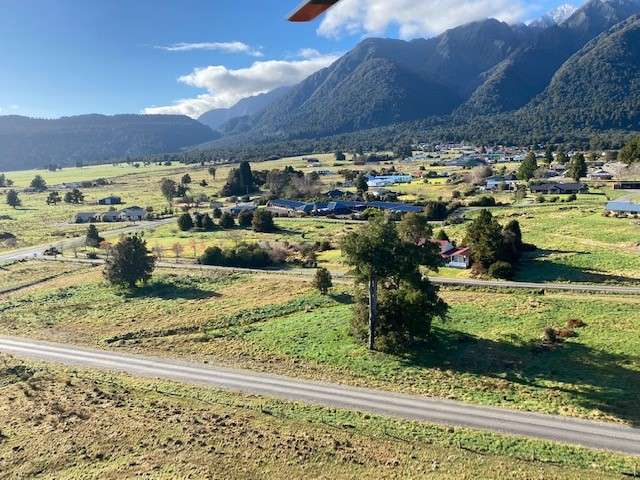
[34,143]
[522,75]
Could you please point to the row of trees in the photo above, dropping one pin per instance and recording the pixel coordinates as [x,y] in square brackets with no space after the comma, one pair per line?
[260,220]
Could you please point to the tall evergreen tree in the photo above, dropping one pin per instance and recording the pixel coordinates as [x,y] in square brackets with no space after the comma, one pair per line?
[577,167]
[129,262]
[528,167]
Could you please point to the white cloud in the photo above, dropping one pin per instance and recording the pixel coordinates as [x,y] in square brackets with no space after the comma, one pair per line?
[414,18]
[225,87]
[226,47]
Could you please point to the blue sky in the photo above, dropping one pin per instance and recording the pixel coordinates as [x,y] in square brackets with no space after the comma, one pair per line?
[67,57]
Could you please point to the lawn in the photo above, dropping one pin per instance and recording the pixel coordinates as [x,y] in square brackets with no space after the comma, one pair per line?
[69,424]
[22,274]
[487,352]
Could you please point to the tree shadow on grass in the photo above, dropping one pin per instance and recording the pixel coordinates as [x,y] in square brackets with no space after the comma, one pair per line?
[171,290]
[342,298]
[594,378]
[539,267]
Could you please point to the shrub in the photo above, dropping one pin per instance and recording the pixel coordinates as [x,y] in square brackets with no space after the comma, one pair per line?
[322,280]
[575,323]
[242,256]
[263,221]
[554,199]
[227,221]
[217,213]
[484,201]
[185,222]
[502,270]
[540,199]
[549,335]
[207,223]
[572,198]
[245,219]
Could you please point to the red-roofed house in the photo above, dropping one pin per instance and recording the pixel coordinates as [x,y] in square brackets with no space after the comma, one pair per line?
[455,257]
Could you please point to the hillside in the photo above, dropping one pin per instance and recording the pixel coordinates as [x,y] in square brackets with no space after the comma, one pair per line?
[528,71]
[28,142]
[247,106]
[456,82]
[599,87]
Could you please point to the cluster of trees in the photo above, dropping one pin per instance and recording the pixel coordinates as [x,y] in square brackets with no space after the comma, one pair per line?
[260,220]
[74,196]
[4,181]
[243,255]
[171,189]
[291,183]
[395,304]
[495,250]
[240,181]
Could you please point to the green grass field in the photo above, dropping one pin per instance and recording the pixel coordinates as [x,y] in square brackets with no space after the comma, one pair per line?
[487,352]
[68,424]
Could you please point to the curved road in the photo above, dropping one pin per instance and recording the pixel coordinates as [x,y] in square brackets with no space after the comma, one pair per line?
[604,436]
[36,250]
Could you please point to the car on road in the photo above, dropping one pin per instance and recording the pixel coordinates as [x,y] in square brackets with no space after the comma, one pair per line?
[51,252]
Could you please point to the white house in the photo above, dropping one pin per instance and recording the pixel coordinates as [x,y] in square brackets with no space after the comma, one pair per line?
[84,217]
[624,207]
[386,180]
[454,257]
[132,214]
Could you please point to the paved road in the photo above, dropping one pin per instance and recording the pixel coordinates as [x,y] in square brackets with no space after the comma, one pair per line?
[568,430]
[36,250]
[462,282]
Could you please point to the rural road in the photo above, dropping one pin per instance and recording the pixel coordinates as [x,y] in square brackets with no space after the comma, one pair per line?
[597,435]
[461,282]
[36,250]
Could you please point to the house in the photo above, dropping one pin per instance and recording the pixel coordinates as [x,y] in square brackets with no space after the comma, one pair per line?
[454,257]
[623,207]
[508,182]
[558,188]
[600,175]
[385,180]
[240,207]
[111,216]
[289,207]
[110,200]
[627,185]
[132,214]
[84,217]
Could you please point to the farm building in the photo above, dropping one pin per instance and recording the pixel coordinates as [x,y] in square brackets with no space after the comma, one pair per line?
[84,217]
[627,185]
[238,208]
[558,188]
[110,200]
[621,206]
[386,180]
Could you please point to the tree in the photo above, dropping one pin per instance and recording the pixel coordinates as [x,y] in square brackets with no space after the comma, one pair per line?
[340,156]
[263,221]
[38,183]
[528,167]
[548,155]
[562,157]
[53,198]
[415,228]
[245,218]
[240,181]
[12,199]
[186,179]
[74,196]
[129,262]
[185,222]
[169,189]
[361,183]
[484,237]
[177,249]
[630,153]
[322,280]
[217,213]
[577,167]
[93,238]
[442,235]
[379,256]
[4,181]
[212,172]
[512,244]
[207,223]
[227,221]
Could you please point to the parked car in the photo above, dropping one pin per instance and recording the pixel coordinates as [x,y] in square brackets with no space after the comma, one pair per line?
[52,252]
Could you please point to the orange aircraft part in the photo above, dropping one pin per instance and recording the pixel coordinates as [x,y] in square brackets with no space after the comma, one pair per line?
[311,9]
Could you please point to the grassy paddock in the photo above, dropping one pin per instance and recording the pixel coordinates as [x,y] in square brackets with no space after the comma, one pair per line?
[487,352]
[69,424]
